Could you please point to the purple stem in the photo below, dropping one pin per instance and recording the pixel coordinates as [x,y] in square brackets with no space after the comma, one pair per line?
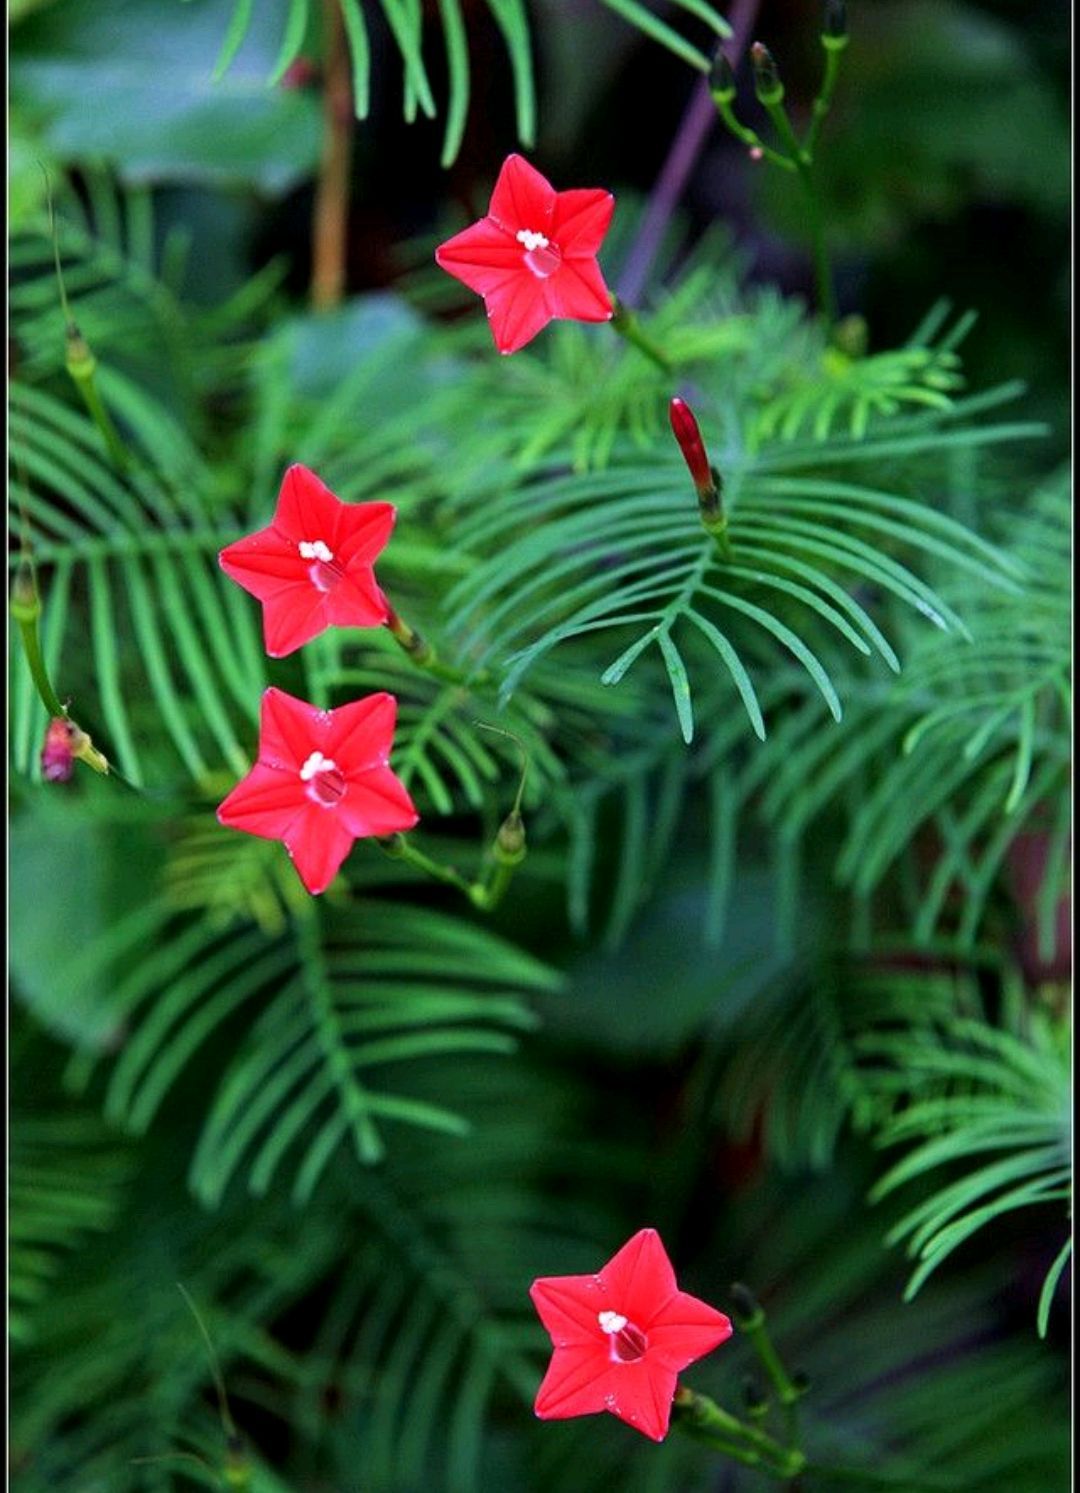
[681,159]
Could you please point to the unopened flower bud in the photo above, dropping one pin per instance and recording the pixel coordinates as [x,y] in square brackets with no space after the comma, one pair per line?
[78,356]
[767,82]
[57,753]
[510,841]
[755,1399]
[685,428]
[745,1304]
[756,153]
[721,79]
[834,23]
[706,478]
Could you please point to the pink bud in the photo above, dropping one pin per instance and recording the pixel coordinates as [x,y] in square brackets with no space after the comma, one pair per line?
[756,153]
[57,754]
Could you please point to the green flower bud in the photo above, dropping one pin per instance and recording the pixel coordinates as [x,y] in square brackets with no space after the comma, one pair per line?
[767,82]
[835,20]
[722,79]
[745,1305]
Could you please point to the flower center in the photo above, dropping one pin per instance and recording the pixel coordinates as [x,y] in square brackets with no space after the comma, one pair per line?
[541,255]
[325,570]
[628,1342]
[325,780]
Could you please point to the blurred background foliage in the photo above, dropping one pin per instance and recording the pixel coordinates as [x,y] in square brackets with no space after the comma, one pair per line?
[786,971]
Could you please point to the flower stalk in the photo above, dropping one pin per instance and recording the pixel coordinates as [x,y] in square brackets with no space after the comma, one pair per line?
[79,359]
[794,155]
[423,655]
[770,93]
[505,854]
[624,321]
[789,1390]
[706,1421]
[26,613]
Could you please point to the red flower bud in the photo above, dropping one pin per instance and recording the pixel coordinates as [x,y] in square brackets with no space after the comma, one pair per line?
[686,432]
[58,751]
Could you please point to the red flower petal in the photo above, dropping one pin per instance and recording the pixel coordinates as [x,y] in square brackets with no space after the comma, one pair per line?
[306,508]
[290,730]
[686,1329]
[483,256]
[263,563]
[359,735]
[364,531]
[579,292]
[522,198]
[643,1396]
[377,803]
[265,803]
[318,841]
[356,600]
[517,310]
[581,219]
[576,1383]
[640,1278]
[569,1307]
[292,616]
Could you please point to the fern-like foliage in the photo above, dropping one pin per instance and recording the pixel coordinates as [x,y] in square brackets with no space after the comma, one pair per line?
[621,551]
[405,22]
[970,746]
[912,1059]
[66,1181]
[338,998]
[971,1091]
[842,386]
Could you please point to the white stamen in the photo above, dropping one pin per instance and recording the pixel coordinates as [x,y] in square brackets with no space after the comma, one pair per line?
[531,240]
[611,1322]
[316,550]
[317,763]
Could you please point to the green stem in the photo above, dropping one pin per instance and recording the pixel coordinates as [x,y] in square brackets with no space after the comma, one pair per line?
[787,1391]
[706,1421]
[628,327]
[423,655]
[749,137]
[398,848]
[81,365]
[26,610]
[834,46]
[803,165]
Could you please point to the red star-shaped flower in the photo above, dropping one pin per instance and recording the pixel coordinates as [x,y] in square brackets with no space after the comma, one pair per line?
[312,566]
[621,1337]
[533,258]
[321,782]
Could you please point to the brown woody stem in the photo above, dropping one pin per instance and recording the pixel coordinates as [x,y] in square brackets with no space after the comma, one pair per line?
[330,228]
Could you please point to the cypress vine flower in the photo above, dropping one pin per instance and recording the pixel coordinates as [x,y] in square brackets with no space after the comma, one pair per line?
[58,751]
[311,567]
[322,780]
[621,1338]
[533,257]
